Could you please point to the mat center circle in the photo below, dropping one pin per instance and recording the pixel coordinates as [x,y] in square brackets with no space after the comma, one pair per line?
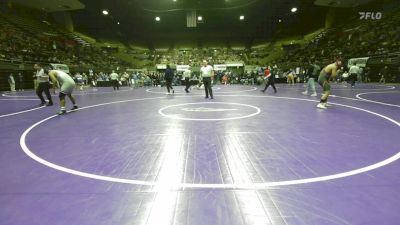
[209,111]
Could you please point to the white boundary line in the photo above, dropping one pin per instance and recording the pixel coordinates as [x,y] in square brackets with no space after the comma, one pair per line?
[296,87]
[160,111]
[150,90]
[382,103]
[20,112]
[19,99]
[337,96]
[5,94]
[213,186]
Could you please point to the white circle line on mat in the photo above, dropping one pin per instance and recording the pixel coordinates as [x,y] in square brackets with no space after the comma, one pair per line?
[254,186]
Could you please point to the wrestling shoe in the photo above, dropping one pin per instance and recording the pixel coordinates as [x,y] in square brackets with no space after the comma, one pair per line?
[321,106]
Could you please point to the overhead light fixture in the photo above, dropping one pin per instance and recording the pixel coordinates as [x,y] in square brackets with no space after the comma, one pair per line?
[174,0]
[105,12]
[294,9]
[158,18]
[200,18]
[241,17]
[118,23]
[280,21]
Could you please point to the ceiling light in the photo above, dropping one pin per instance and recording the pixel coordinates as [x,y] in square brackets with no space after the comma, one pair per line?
[118,23]
[200,18]
[294,9]
[105,12]
[280,21]
[241,17]
[158,18]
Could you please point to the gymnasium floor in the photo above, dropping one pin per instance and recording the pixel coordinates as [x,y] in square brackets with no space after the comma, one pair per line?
[139,156]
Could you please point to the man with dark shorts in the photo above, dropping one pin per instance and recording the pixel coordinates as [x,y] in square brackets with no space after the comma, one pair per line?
[270,80]
[207,73]
[43,85]
[186,75]
[169,78]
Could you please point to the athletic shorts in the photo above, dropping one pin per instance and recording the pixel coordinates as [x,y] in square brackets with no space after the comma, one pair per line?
[67,88]
[323,81]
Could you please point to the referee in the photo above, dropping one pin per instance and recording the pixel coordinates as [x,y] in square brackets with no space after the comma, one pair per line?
[207,72]
[43,85]
[353,71]
[186,75]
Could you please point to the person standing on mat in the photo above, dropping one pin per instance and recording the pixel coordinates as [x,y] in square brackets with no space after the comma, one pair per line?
[169,77]
[328,73]
[353,71]
[186,75]
[67,85]
[20,82]
[43,85]
[11,82]
[270,79]
[312,73]
[114,80]
[207,72]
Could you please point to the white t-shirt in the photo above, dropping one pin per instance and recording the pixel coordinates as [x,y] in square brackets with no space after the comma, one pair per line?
[114,76]
[353,69]
[207,71]
[79,76]
[12,81]
[186,74]
[41,76]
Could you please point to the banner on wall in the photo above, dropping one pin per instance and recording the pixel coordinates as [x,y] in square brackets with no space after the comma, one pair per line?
[61,67]
[161,66]
[251,67]
[182,67]
[360,62]
[234,65]
[136,70]
[219,67]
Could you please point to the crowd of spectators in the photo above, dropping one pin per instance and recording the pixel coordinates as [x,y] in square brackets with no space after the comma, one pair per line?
[358,39]
[17,45]
[195,56]
[362,38]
